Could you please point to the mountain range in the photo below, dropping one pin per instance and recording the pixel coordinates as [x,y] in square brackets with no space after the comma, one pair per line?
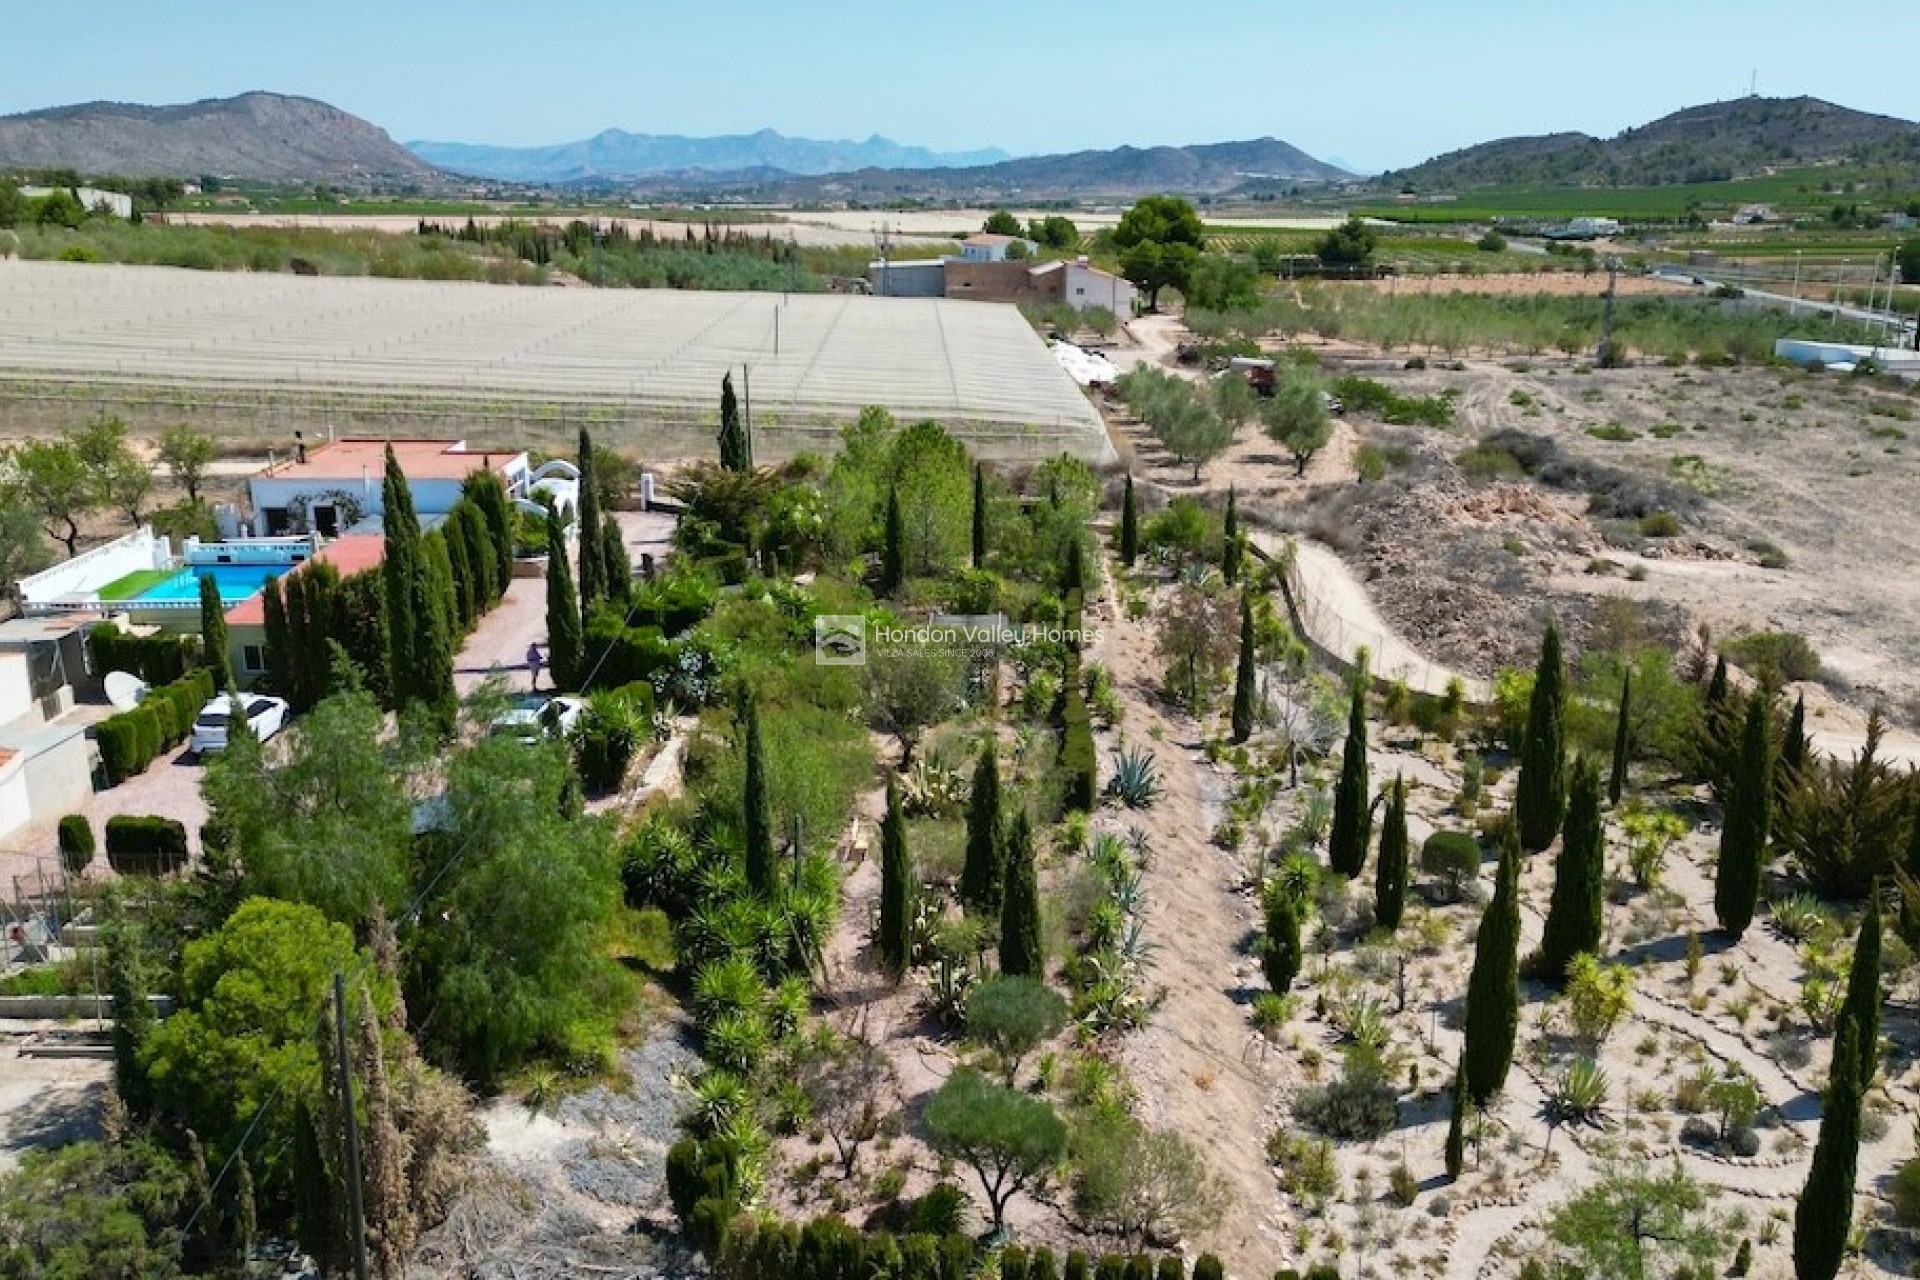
[615,155]
[1716,142]
[271,137]
[264,136]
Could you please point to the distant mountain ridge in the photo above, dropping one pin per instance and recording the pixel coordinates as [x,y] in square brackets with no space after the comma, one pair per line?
[1120,173]
[259,135]
[615,154]
[1715,142]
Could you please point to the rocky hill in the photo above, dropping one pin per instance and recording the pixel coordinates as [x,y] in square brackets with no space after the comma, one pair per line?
[263,136]
[1711,143]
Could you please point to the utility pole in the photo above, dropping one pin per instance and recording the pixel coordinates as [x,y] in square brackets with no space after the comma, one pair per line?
[746,400]
[356,1210]
[1606,326]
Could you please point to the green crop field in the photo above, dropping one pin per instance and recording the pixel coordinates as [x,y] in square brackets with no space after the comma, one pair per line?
[1790,191]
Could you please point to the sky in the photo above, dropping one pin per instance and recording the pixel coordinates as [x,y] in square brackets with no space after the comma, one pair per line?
[1374,86]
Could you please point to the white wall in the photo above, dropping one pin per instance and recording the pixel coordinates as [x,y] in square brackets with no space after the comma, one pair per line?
[1086,287]
[16,804]
[16,687]
[91,570]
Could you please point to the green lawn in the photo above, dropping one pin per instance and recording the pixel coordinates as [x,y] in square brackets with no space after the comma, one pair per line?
[135,583]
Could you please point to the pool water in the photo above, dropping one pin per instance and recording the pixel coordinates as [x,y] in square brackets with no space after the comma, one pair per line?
[236,582]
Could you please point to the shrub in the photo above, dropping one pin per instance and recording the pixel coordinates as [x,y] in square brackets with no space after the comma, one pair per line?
[146,844]
[1773,656]
[1360,1105]
[76,843]
[1659,524]
[1906,1194]
[1578,1095]
[1453,858]
[1307,1171]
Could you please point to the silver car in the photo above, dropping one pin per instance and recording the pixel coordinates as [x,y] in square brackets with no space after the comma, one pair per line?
[529,715]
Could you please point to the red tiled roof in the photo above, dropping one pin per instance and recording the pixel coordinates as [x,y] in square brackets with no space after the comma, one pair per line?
[355,553]
[419,460]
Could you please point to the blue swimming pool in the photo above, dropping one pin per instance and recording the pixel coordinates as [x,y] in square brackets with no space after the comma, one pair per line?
[236,582]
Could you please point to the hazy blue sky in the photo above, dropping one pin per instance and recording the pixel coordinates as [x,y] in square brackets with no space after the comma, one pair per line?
[1380,84]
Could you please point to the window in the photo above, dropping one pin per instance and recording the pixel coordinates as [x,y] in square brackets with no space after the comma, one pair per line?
[252,659]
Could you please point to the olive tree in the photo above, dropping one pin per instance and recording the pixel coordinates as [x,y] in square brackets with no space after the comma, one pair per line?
[1009,1139]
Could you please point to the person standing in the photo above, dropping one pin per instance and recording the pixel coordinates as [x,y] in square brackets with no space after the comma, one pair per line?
[533,665]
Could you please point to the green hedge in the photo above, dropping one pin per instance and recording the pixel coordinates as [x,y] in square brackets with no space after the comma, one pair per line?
[156,659]
[76,843]
[620,655]
[146,845]
[1078,759]
[131,739]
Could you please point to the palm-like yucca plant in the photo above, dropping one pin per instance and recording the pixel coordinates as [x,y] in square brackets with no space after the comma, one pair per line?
[718,1096]
[728,985]
[1135,781]
[1104,925]
[738,1041]
[1108,855]
[787,1009]
[1578,1095]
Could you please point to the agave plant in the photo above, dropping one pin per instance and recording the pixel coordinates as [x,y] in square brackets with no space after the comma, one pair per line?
[1363,1020]
[1798,917]
[1140,845]
[1109,856]
[1134,783]
[932,790]
[1579,1094]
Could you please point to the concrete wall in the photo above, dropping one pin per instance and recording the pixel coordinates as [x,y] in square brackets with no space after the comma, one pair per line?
[16,802]
[908,279]
[1001,282]
[60,778]
[91,570]
[1807,351]
[16,689]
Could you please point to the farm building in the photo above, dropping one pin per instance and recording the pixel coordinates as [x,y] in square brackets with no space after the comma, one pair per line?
[1077,283]
[523,366]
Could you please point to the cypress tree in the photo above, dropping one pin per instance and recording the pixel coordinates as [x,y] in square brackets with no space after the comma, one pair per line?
[1347,841]
[486,492]
[1022,950]
[1493,989]
[295,677]
[466,604]
[892,564]
[1245,678]
[431,680]
[1717,684]
[1579,875]
[1743,836]
[314,627]
[733,433]
[1718,718]
[1129,526]
[1823,1218]
[1280,942]
[979,515]
[1072,574]
[593,575]
[213,635]
[1390,872]
[1456,1149]
[1793,753]
[1862,1006]
[1540,800]
[759,801]
[983,876]
[1617,778]
[565,641]
[1230,539]
[614,561]
[280,657]
[894,942]
[402,551]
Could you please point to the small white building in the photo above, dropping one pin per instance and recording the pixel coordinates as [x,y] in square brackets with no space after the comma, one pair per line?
[1088,286]
[329,488]
[984,246]
[119,204]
